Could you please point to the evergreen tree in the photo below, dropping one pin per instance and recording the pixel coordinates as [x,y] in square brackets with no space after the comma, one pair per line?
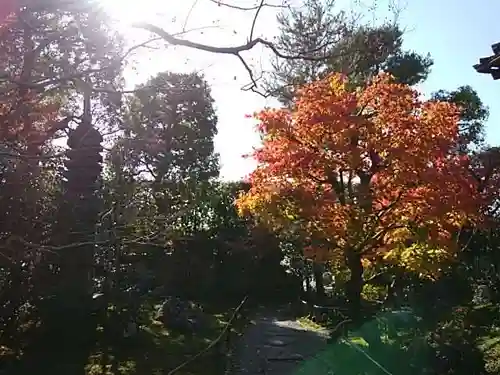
[168,136]
[338,43]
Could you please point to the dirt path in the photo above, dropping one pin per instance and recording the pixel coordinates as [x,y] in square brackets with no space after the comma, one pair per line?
[276,345]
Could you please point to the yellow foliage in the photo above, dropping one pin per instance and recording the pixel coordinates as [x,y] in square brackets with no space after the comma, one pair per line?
[338,84]
[421,257]
[418,193]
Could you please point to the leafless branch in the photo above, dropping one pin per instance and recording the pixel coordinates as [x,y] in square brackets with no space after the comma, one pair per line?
[261,5]
[60,81]
[140,45]
[237,50]
[234,50]
[189,14]
[55,249]
[232,6]
[253,81]
[214,342]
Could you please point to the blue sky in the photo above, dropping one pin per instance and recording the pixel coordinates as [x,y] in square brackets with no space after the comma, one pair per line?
[455,32]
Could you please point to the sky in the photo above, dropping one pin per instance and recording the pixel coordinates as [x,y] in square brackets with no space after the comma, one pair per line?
[455,32]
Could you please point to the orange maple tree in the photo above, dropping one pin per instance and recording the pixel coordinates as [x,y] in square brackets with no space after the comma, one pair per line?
[366,175]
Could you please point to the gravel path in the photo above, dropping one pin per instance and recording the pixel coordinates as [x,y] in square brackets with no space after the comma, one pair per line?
[276,345]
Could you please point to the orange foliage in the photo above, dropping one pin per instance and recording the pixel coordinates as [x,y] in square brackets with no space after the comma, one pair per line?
[370,171]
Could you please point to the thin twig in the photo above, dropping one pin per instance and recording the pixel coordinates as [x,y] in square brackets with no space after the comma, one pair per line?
[261,5]
[227,5]
[50,81]
[189,15]
[234,50]
[213,343]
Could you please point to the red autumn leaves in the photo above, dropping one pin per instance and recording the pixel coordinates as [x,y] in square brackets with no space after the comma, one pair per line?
[369,170]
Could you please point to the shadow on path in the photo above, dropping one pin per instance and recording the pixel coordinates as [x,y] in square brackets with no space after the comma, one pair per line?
[276,344]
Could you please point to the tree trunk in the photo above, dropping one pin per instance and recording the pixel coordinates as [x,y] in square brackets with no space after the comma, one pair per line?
[397,297]
[355,284]
[307,280]
[318,279]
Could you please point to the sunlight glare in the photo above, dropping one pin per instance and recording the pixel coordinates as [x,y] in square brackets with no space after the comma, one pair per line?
[127,12]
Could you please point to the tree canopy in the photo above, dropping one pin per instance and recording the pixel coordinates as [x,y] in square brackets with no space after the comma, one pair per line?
[367,175]
[123,251]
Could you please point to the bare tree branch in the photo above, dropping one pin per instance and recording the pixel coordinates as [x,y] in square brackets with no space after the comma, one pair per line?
[144,44]
[60,81]
[261,5]
[214,342]
[237,50]
[189,14]
[171,39]
[227,5]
